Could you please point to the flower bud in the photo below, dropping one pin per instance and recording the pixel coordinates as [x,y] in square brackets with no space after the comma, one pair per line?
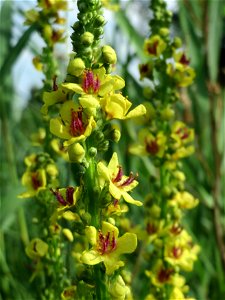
[164,32]
[177,42]
[47,32]
[167,113]
[76,153]
[109,55]
[87,38]
[118,289]
[92,152]
[52,170]
[68,234]
[99,21]
[155,211]
[76,67]
[69,293]
[116,135]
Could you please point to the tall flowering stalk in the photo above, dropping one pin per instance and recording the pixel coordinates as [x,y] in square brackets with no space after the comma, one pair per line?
[82,211]
[169,248]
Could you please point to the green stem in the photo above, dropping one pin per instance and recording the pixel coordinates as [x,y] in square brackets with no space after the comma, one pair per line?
[92,192]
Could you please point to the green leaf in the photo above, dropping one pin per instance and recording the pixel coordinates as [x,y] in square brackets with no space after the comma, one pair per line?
[14,53]
[6,28]
[215,30]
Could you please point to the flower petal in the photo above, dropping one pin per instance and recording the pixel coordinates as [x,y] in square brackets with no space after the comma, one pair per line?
[130,200]
[108,227]
[126,243]
[91,257]
[138,111]
[112,264]
[73,87]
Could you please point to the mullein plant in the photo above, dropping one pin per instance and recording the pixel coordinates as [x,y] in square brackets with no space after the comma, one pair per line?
[77,251]
[169,249]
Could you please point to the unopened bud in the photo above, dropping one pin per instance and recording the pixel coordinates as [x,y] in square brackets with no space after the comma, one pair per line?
[167,113]
[76,67]
[76,153]
[92,152]
[68,234]
[164,31]
[109,55]
[87,38]
[52,170]
[177,42]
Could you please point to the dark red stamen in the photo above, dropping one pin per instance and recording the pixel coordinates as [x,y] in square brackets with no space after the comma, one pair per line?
[36,183]
[115,202]
[119,175]
[164,275]
[105,245]
[183,60]
[152,147]
[54,86]
[129,180]
[151,228]
[183,133]
[176,252]
[176,229]
[76,126]
[69,195]
[90,84]
[59,197]
[152,49]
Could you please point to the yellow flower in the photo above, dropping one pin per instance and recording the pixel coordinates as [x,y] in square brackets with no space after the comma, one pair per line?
[181,136]
[181,73]
[36,249]
[72,125]
[184,200]
[119,184]
[34,181]
[116,107]
[180,251]
[58,147]
[154,46]
[66,197]
[95,82]
[178,294]
[51,98]
[149,144]
[107,247]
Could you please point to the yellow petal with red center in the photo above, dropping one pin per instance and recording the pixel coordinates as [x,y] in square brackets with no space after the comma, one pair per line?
[108,227]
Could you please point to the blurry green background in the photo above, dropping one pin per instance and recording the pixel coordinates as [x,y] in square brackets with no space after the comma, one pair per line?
[201,25]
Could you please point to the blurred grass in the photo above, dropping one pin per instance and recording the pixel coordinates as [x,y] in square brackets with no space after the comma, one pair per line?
[201,23]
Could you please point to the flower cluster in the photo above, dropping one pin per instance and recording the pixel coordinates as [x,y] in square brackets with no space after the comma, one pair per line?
[48,21]
[165,141]
[82,210]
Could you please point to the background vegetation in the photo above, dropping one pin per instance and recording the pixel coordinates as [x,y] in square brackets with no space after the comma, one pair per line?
[201,25]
